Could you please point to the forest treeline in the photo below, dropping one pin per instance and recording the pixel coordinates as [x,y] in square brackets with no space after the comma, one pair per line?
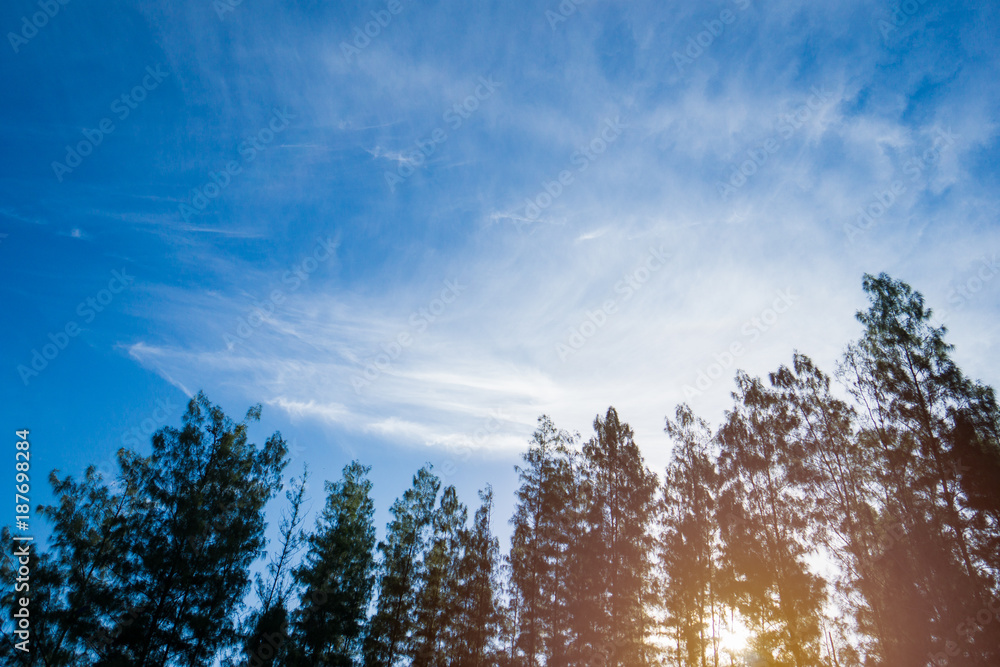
[837,521]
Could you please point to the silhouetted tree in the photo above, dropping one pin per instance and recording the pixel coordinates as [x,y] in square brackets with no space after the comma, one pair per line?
[545,521]
[337,577]
[205,487]
[922,417]
[841,475]
[477,618]
[154,575]
[266,633]
[766,524]
[689,542]
[615,550]
[401,572]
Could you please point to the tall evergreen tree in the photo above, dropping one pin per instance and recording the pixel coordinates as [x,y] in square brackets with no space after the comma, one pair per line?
[205,487]
[766,526]
[915,381]
[337,577]
[477,621]
[437,601]
[689,542]
[266,633]
[614,560]
[155,574]
[841,474]
[509,616]
[923,416]
[73,585]
[545,524]
[400,572]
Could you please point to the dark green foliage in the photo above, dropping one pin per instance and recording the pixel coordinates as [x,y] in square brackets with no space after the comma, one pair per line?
[265,643]
[265,630]
[878,506]
[546,523]
[401,571]
[204,489]
[155,573]
[438,600]
[337,577]
[613,564]
[477,616]
[765,526]
[689,542]
[51,618]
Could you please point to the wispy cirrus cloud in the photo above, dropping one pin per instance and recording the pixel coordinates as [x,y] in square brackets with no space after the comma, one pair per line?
[809,108]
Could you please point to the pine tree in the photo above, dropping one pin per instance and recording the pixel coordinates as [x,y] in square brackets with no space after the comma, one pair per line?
[72,586]
[689,542]
[477,620]
[922,417]
[545,525]
[840,473]
[204,488]
[154,575]
[400,572]
[437,600]
[266,634]
[613,567]
[765,525]
[509,612]
[337,576]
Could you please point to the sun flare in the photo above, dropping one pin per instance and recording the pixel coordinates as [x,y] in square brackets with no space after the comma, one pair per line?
[735,638]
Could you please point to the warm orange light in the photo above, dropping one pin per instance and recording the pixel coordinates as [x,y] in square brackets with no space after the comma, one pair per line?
[736,637]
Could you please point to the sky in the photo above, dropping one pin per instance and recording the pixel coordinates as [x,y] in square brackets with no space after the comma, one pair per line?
[408,228]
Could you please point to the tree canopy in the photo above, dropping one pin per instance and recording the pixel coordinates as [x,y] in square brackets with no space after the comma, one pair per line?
[843,521]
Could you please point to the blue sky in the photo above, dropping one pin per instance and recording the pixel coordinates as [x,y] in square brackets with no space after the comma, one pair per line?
[409,246]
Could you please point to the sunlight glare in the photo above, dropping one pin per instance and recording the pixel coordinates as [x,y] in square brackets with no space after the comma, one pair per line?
[735,638]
